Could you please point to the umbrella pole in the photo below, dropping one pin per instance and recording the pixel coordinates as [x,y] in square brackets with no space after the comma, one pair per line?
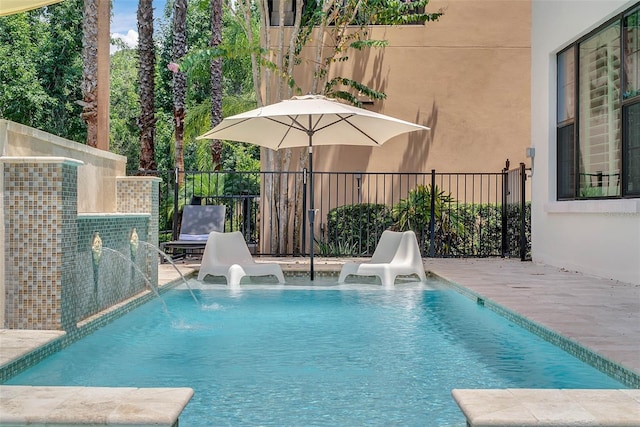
[312,212]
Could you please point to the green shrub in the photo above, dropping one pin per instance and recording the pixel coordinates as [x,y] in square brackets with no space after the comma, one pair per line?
[461,229]
[414,213]
[354,230]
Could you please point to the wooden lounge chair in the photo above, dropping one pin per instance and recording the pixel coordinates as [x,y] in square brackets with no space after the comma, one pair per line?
[397,253]
[227,254]
[196,224]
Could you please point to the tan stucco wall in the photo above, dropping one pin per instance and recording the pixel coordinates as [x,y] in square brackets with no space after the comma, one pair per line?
[466,76]
[96,177]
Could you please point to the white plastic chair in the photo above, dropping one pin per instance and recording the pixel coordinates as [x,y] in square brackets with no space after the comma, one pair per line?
[227,254]
[397,253]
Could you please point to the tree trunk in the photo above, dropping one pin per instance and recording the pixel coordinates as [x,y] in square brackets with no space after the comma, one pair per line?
[265,45]
[254,58]
[291,60]
[179,82]
[146,54]
[279,95]
[297,224]
[90,70]
[216,81]
[262,81]
[318,60]
[285,202]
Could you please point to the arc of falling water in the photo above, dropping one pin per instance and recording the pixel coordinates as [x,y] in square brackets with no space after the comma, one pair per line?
[170,261]
[144,276]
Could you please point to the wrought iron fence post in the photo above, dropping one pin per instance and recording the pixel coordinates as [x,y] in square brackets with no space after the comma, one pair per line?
[174,230]
[303,247]
[523,214]
[505,194]
[432,214]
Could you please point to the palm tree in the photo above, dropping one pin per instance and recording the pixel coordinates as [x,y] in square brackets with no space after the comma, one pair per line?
[179,80]
[216,80]
[90,70]
[146,55]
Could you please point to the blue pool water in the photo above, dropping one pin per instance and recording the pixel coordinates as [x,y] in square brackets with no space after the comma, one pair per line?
[284,357]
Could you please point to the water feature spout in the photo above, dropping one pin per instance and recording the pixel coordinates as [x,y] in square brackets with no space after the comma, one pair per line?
[96,255]
[96,248]
[133,243]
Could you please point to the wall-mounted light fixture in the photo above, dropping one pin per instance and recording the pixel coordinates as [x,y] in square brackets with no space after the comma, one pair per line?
[531,152]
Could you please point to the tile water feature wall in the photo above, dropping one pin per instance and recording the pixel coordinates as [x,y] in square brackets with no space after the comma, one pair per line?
[49,276]
[118,274]
[40,209]
[142,194]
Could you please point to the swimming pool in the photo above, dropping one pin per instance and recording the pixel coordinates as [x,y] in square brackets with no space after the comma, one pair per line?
[316,357]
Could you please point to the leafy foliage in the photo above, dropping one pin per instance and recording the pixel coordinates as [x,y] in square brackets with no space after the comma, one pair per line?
[237,85]
[333,85]
[41,69]
[340,248]
[414,213]
[399,12]
[125,109]
[354,230]
[474,230]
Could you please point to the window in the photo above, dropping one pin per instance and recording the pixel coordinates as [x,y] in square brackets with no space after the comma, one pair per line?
[566,85]
[600,139]
[631,33]
[631,100]
[566,160]
[598,113]
[566,124]
[632,149]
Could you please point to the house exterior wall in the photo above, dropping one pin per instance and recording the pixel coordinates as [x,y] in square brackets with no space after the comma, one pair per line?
[465,76]
[598,237]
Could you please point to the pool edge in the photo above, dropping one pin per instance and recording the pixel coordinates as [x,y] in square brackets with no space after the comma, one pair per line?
[83,328]
[615,370]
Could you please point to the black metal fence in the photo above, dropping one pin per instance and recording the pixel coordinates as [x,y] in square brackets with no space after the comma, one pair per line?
[452,214]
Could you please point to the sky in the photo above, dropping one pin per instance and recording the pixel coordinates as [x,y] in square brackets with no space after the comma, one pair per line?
[124,24]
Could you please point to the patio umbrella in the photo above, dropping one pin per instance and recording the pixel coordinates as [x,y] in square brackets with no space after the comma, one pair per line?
[9,7]
[310,120]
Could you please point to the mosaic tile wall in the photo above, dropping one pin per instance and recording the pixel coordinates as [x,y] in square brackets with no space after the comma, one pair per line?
[118,274]
[142,195]
[40,206]
[51,279]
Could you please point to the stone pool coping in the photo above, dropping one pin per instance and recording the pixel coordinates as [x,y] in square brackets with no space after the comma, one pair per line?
[17,343]
[91,406]
[549,407]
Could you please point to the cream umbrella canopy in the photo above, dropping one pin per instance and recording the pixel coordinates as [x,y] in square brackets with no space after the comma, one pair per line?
[9,7]
[309,121]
